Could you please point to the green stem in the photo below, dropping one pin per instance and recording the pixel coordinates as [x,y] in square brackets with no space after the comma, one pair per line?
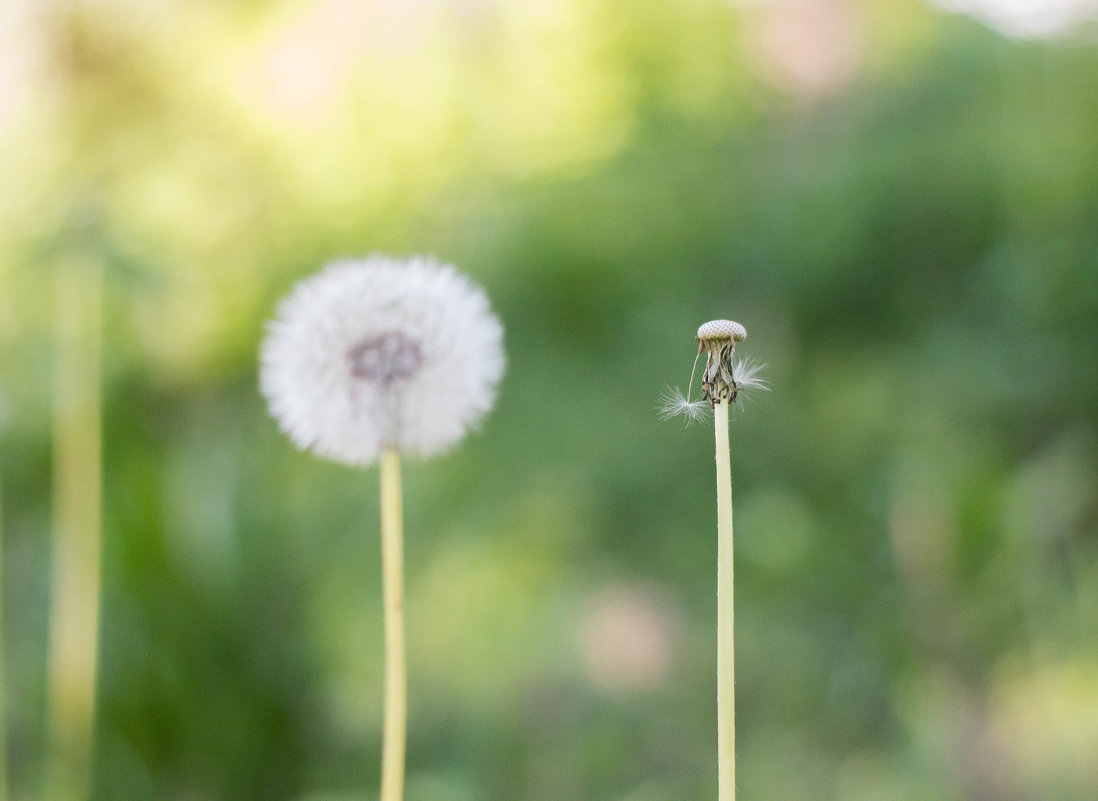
[396,682]
[726,646]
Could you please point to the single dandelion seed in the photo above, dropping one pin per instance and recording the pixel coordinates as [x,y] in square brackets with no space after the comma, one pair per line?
[673,403]
[748,375]
[724,379]
[365,361]
[749,378]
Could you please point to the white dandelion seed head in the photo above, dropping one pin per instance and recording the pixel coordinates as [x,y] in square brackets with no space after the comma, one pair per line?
[722,329]
[381,352]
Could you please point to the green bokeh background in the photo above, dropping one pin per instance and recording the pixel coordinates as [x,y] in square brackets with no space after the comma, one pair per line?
[901,206]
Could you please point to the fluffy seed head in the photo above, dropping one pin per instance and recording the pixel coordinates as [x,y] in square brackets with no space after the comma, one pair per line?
[381,352]
[722,329]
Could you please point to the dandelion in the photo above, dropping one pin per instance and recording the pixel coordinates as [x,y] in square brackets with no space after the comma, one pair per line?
[724,379]
[381,353]
[365,361]
[740,376]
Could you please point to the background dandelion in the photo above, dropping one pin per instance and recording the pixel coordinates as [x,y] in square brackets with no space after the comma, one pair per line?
[381,353]
[377,358]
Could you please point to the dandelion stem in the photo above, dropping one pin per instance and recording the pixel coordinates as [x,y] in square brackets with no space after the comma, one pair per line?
[75,547]
[396,682]
[3,690]
[726,649]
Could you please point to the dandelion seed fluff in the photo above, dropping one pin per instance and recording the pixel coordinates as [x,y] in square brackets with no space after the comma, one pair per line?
[673,403]
[748,373]
[381,352]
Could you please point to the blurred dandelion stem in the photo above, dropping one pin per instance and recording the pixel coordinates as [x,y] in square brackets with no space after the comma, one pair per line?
[75,547]
[726,648]
[396,681]
[3,690]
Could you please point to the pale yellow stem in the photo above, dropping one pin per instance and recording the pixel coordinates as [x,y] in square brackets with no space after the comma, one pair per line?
[3,690]
[75,547]
[726,647]
[392,580]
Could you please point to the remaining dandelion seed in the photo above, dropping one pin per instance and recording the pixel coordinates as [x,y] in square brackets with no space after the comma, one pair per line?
[378,353]
[748,375]
[370,359]
[673,403]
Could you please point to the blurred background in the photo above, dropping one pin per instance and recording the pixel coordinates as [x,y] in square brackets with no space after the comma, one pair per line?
[898,200]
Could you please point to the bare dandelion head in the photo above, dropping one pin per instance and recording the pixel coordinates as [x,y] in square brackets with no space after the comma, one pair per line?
[724,375]
[721,329]
[718,339]
[381,352]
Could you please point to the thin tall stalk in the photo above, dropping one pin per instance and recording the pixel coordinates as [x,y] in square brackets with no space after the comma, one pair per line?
[396,682]
[723,381]
[3,690]
[726,646]
[75,549]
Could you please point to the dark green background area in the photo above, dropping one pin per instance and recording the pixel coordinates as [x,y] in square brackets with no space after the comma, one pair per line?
[913,251]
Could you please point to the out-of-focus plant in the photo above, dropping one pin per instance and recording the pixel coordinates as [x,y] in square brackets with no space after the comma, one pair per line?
[76,544]
[369,360]
[3,688]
